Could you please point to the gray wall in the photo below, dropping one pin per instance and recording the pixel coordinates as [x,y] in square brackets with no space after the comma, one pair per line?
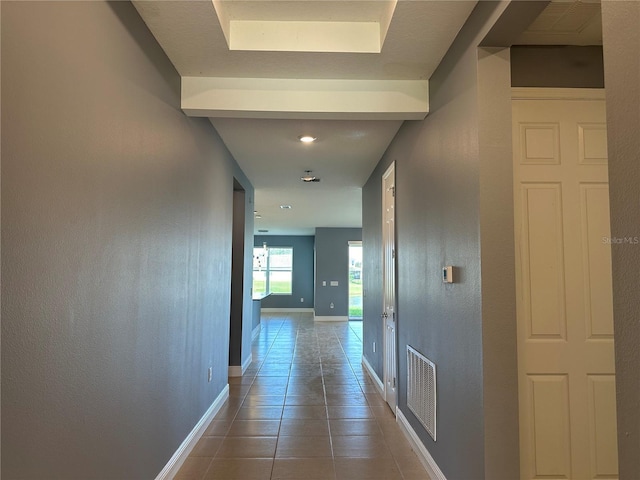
[241,324]
[302,283]
[444,170]
[620,22]
[116,243]
[560,66]
[372,268]
[332,263]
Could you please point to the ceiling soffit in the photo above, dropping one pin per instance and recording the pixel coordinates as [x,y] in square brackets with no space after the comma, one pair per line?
[311,26]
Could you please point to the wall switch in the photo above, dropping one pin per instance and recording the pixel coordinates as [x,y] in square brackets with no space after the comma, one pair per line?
[209,374]
[374,347]
[334,283]
[324,283]
[301,300]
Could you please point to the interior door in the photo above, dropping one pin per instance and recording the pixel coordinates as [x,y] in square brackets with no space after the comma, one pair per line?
[389,287]
[563,284]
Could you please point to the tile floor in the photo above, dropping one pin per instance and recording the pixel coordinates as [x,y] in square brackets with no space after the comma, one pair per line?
[304,410]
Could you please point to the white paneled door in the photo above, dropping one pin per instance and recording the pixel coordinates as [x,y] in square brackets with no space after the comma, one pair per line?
[563,277]
[389,279]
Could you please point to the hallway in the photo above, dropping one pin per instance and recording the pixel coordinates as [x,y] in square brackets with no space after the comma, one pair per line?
[305,409]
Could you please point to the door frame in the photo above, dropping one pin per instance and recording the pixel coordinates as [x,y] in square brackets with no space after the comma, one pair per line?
[389,377]
[526,438]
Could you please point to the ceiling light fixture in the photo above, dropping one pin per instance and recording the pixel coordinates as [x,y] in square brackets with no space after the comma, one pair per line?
[307,139]
[308,177]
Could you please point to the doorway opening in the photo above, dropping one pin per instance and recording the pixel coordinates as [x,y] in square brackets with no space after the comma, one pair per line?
[355,280]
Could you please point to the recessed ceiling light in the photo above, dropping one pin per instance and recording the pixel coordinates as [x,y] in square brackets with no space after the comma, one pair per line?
[307,139]
[285,207]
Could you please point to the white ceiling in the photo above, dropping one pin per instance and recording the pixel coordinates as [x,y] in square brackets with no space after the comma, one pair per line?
[353,103]
[566,22]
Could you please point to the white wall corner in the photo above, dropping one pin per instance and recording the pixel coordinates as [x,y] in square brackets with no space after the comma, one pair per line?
[421,451]
[172,467]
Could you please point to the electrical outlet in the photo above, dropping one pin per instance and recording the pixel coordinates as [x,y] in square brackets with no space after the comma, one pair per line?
[209,374]
[301,300]
[331,306]
[374,347]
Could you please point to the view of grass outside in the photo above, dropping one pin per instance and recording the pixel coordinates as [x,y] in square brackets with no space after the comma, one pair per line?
[272,270]
[355,298]
[355,281]
[280,283]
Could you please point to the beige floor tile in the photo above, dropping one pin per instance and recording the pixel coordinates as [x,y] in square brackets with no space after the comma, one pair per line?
[247,447]
[254,428]
[267,389]
[239,390]
[309,381]
[207,447]
[265,381]
[281,409]
[366,469]
[375,400]
[368,388]
[218,427]
[398,444]
[305,369]
[259,413]
[344,399]
[302,389]
[263,400]
[350,412]
[342,389]
[303,447]
[383,412]
[305,411]
[315,399]
[240,469]
[193,468]
[303,469]
[411,468]
[304,427]
[348,426]
[358,446]
[227,413]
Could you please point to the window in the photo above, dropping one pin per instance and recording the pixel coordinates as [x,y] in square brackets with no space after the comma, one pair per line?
[272,270]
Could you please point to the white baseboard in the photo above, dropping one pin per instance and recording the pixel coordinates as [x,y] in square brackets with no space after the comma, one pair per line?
[256,331]
[372,373]
[330,318]
[172,467]
[287,310]
[421,451]
[238,370]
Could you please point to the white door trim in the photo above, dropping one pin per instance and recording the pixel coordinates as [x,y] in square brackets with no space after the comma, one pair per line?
[390,353]
[536,93]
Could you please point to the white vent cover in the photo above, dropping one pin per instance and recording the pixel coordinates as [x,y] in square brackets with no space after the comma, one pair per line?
[421,389]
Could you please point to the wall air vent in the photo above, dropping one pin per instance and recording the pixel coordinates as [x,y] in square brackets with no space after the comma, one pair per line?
[421,389]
